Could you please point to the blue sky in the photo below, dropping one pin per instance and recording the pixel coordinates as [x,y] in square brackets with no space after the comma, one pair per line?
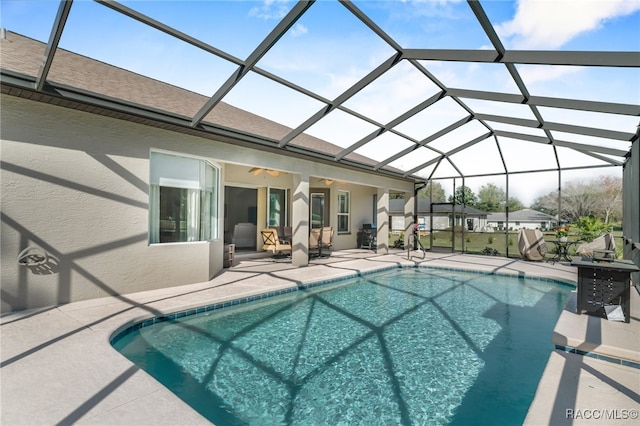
[328,50]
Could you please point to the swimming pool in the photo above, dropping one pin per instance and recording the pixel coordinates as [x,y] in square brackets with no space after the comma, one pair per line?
[405,346]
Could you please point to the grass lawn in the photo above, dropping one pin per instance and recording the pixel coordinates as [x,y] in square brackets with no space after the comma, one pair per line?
[493,243]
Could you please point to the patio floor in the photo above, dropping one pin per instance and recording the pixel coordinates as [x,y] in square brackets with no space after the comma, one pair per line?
[59,368]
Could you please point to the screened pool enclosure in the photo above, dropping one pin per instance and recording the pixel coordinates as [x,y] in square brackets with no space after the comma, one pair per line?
[460,93]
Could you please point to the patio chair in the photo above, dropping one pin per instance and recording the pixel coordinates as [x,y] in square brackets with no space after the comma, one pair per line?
[531,244]
[326,239]
[603,242]
[271,242]
[287,233]
[314,240]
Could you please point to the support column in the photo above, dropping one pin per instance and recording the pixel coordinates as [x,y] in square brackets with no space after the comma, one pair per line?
[300,220]
[261,214]
[409,215]
[382,221]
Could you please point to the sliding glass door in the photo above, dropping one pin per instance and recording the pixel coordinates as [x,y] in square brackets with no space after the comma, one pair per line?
[319,208]
[277,214]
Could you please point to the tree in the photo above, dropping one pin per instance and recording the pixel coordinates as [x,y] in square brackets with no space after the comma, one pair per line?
[438,192]
[465,194]
[515,204]
[491,198]
[600,198]
[547,203]
[610,198]
[579,199]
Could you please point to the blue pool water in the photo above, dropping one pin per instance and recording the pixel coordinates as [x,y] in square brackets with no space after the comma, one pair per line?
[406,346]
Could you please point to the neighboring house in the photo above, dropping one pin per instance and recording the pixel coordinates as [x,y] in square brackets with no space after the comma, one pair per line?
[525,218]
[443,213]
[124,197]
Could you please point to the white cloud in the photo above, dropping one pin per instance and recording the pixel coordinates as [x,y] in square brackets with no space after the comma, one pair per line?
[324,63]
[433,7]
[534,74]
[400,89]
[298,30]
[270,9]
[552,23]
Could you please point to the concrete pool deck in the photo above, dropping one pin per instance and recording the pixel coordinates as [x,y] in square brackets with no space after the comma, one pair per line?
[58,367]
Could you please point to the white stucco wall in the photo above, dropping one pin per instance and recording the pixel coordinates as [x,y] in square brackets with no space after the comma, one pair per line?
[77,185]
[361,212]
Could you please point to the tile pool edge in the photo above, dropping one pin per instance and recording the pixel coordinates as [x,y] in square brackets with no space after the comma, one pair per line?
[519,274]
[601,357]
[137,324]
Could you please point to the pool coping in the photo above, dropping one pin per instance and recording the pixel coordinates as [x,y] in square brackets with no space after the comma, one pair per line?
[66,350]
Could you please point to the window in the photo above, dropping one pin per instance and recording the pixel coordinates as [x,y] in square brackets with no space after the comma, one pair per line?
[317,210]
[183,199]
[343,211]
[374,209]
[277,208]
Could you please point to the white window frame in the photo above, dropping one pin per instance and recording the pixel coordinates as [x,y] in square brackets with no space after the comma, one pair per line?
[347,213]
[201,179]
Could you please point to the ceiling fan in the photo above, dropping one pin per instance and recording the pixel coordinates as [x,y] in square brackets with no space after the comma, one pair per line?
[257,170]
[329,182]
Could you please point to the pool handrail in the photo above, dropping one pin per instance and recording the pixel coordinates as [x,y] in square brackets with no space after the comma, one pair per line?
[416,241]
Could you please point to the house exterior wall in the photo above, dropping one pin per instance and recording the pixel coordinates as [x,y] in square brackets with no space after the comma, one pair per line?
[424,222]
[478,224]
[521,219]
[522,224]
[361,212]
[77,185]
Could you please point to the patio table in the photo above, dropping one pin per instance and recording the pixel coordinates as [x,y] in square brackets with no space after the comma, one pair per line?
[562,250]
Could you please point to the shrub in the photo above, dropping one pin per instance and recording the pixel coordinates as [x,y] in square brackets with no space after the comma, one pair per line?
[510,241]
[591,227]
[490,239]
[619,252]
[399,242]
[490,251]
